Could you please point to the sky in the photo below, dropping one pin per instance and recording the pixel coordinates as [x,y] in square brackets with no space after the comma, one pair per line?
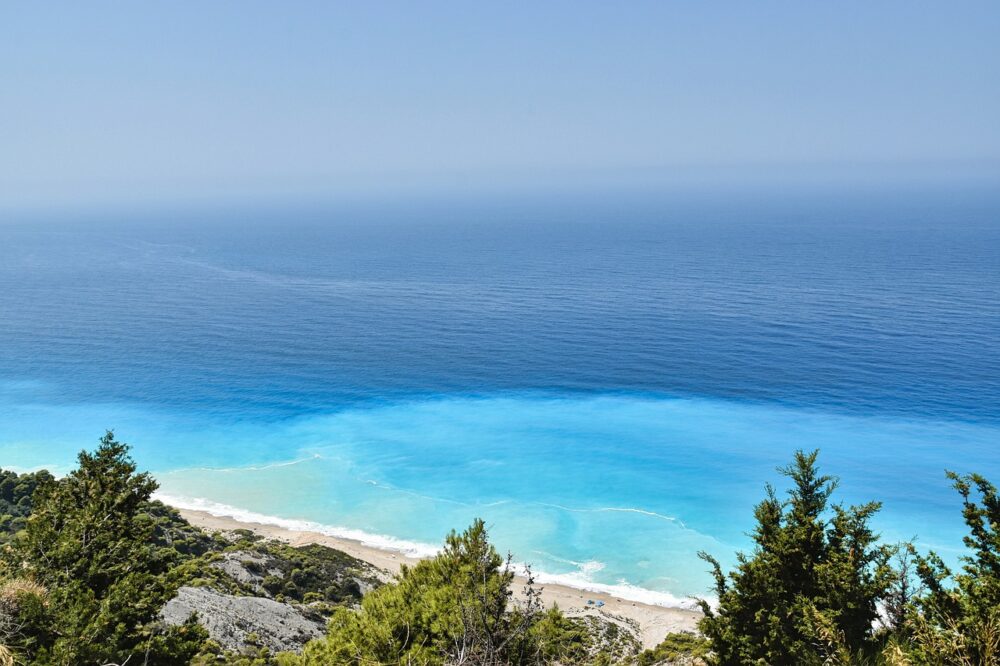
[166,101]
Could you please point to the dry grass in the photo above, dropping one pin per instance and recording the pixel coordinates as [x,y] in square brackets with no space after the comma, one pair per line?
[12,592]
[14,589]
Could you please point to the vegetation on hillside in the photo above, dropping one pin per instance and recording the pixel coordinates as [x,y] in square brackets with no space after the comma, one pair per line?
[460,608]
[16,492]
[87,563]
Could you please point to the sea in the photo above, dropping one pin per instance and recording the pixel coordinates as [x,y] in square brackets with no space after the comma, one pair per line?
[608,380]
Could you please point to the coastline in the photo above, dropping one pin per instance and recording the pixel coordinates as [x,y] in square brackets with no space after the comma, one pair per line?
[649,622]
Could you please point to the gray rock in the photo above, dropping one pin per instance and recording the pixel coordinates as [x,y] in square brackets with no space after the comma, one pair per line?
[247,568]
[230,619]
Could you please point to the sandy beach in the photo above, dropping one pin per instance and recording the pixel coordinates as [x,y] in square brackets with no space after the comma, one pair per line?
[650,623]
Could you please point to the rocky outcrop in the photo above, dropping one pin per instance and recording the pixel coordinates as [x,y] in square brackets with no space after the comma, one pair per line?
[249,593]
[248,569]
[236,622]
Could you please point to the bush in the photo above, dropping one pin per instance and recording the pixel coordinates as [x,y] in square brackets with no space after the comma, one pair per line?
[455,607]
[676,646]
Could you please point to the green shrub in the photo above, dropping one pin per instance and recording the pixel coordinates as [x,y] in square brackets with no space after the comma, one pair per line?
[675,646]
[456,606]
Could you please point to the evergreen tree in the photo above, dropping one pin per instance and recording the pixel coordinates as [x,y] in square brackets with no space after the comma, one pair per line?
[453,608]
[808,592]
[90,544]
[960,622]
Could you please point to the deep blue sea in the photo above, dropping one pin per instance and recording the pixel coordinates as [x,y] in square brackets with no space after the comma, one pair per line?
[608,380]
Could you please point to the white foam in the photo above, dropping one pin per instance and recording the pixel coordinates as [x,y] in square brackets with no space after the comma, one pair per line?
[617,509]
[382,542]
[580,579]
[248,468]
[642,512]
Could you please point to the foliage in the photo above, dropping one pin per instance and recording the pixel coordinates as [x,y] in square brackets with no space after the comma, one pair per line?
[172,532]
[89,542]
[316,575]
[676,646]
[18,598]
[310,573]
[904,588]
[455,608]
[562,640]
[213,655]
[810,590]
[16,491]
[960,622]
[581,640]
[109,558]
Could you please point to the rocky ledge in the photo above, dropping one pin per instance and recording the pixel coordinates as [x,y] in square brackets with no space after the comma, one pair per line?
[235,622]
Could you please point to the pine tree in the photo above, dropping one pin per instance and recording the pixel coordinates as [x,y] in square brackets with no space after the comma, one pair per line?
[809,591]
[90,544]
[454,608]
[960,621]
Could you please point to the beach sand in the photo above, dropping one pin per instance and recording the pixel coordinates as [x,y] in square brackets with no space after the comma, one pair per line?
[649,623]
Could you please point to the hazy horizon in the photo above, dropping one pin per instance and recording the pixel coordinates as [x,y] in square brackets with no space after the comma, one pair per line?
[110,105]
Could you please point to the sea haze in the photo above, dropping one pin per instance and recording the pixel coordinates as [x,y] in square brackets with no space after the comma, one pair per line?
[608,381]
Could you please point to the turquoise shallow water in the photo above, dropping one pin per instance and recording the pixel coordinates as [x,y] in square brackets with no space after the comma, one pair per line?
[609,384]
[610,491]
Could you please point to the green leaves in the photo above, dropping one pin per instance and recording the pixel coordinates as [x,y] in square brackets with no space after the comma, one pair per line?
[454,608]
[433,609]
[960,618]
[810,589]
[87,528]
[16,492]
[90,542]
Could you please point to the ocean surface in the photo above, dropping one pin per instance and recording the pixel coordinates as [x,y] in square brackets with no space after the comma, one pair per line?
[608,381]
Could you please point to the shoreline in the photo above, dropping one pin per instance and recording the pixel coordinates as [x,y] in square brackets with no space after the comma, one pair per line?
[649,622]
